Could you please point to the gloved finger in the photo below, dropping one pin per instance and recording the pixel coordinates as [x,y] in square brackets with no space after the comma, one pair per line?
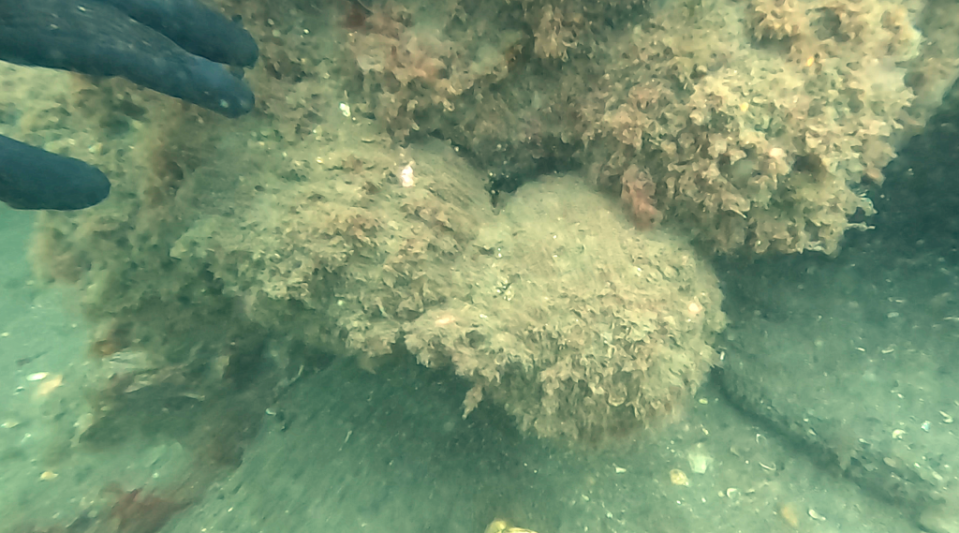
[195,27]
[98,39]
[31,178]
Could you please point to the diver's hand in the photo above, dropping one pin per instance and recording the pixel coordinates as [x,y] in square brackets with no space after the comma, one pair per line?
[171,46]
[31,178]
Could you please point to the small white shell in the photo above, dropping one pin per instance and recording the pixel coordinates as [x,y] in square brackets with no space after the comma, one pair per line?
[699,462]
[406,175]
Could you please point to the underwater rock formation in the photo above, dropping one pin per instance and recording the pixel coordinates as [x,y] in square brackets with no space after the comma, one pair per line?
[308,227]
[758,121]
[555,309]
[578,325]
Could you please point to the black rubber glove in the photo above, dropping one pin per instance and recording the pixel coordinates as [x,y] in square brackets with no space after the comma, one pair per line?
[31,178]
[172,46]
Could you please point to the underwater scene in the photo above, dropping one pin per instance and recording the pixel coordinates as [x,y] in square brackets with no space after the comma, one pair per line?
[479,266]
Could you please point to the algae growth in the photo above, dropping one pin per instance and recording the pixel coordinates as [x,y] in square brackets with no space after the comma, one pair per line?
[331,221]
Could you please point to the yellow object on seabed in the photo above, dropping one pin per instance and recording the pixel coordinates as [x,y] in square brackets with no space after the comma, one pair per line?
[502,526]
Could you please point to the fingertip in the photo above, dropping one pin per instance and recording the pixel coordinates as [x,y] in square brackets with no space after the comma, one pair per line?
[31,178]
[217,89]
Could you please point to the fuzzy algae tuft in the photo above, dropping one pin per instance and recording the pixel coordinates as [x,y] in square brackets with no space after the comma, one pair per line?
[578,325]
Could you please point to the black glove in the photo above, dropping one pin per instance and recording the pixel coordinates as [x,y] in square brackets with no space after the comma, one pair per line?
[172,46]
